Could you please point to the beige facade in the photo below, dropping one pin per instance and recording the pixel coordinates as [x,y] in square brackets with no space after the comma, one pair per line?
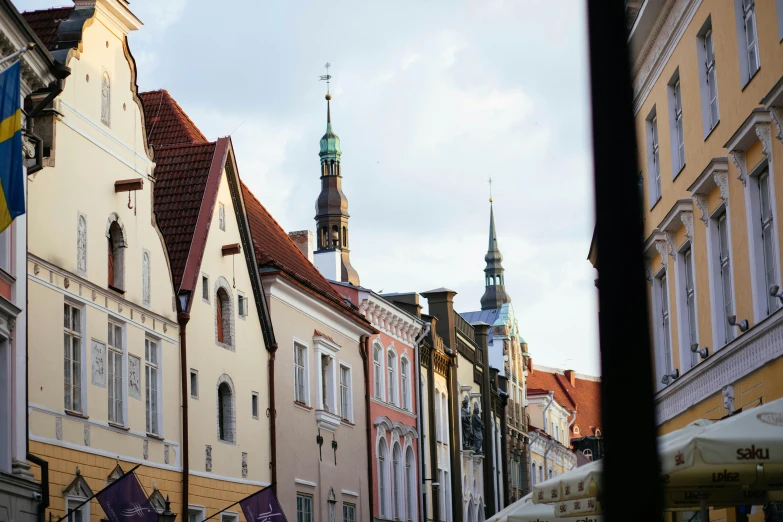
[550,444]
[112,393]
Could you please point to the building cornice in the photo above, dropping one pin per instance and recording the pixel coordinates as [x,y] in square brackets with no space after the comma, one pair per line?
[390,319]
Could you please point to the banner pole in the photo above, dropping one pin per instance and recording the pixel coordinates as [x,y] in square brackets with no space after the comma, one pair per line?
[232,505]
[69,513]
[18,53]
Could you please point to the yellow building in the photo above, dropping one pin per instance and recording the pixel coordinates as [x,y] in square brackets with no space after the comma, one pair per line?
[103,337]
[708,102]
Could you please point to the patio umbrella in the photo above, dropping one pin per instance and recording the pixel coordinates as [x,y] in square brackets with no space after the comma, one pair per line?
[579,483]
[524,510]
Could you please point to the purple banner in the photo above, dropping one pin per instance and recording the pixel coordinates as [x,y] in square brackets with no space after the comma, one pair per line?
[263,507]
[124,501]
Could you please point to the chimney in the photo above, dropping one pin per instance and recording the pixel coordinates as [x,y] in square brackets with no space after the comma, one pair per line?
[530,364]
[304,240]
[569,374]
[441,305]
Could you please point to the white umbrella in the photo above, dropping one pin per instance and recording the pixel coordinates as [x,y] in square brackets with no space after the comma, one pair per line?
[579,483]
[524,510]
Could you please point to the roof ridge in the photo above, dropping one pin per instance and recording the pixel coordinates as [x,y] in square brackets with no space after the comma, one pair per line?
[53,8]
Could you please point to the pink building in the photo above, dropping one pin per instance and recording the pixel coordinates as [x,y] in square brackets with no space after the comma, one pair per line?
[393,408]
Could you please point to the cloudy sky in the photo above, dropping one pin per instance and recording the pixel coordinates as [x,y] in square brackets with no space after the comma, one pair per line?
[431,98]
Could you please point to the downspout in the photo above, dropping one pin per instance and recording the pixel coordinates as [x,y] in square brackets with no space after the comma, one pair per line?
[551,400]
[455,466]
[365,350]
[272,417]
[420,422]
[433,438]
[571,423]
[182,319]
[546,467]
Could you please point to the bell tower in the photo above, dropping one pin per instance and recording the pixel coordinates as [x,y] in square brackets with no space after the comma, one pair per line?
[332,256]
[495,285]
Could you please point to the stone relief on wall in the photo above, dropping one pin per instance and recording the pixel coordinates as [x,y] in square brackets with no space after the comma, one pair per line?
[81,244]
[208,465]
[134,377]
[244,465]
[478,429]
[98,364]
[728,399]
[58,428]
[166,453]
[467,430]
[145,277]
[86,434]
[145,449]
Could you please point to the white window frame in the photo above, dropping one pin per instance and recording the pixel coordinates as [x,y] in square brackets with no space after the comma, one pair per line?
[392,374]
[382,465]
[111,353]
[762,301]
[653,157]
[200,510]
[205,291]
[72,501]
[6,248]
[379,371]
[306,517]
[661,332]
[348,510]
[328,349]
[720,327]
[405,384]
[158,366]
[746,10]
[676,124]
[708,77]
[306,372]
[687,298]
[82,362]
[254,398]
[193,373]
[348,414]
[397,486]
[242,305]
[232,516]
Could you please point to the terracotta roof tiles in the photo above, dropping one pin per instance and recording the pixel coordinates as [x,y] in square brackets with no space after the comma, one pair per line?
[46,22]
[166,122]
[585,396]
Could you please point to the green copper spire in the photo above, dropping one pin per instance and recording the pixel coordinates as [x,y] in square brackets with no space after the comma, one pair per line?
[330,143]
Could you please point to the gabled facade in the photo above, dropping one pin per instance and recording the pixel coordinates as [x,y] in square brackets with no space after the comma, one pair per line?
[226,333]
[394,384]
[98,274]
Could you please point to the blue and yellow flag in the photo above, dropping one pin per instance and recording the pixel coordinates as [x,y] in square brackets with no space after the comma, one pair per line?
[11,159]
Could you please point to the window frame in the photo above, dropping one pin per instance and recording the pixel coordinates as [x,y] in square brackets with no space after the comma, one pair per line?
[301,515]
[405,384]
[297,343]
[193,373]
[662,331]
[746,10]
[348,391]
[242,305]
[255,405]
[382,466]
[349,512]
[158,391]
[205,288]
[379,390]
[676,125]
[708,77]
[687,306]
[721,274]
[226,419]
[392,376]
[112,352]
[82,395]
[76,500]
[653,158]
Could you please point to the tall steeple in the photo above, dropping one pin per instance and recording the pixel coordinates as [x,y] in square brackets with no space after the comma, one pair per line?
[331,207]
[495,293]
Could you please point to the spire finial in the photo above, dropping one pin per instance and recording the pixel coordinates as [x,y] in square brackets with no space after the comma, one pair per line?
[327,77]
[490,189]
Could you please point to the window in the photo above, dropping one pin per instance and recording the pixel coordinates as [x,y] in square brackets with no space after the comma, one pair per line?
[676,125]
[391,362]
[410,483]
[151,363]
[396,482]
[751,39]
[5,250]
[115,257]
[83,513]
[229,517]
[533,473]
[588,453]
[225,411]
[106,99]
[114,381]
[222,216]
[708,77]
[345,393]
[725,276]
[221,311]
[304,508]
[690,302]
[196,514]
[224,314]
[557,434]
[664,339]
[382,487]
[300,375]
[546,425]
[254,404]
[767,240]
[349,512]
[242,304]
[378,372]
[194,384]
[73,357]
[576,430]
[540,473]
[205,288]
[654,159]
[404,384]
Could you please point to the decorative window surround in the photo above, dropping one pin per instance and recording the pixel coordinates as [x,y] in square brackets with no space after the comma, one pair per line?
[708,77]
[229,412]
[303,482]
[326,348]
[773,101]
[676,124]
[714,175]
[762,343]
[757,128]
[229,340]
[306,369]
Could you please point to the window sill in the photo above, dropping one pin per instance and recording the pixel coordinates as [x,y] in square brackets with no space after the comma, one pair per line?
[751,78]
[227,442]
[346,422]
[76,414]
[656,202]
[711,131]
[194,397]
[679,172]
[225,346]
[303,406]
[119,426]
[153,436]
[115,289]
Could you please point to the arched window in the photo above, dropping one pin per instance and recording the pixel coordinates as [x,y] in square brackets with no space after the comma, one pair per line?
[540,473]
[382,485]
[396,482]
[116,257]
[576,430]
[377,371]
[437,415]
[224,314]
[391,361]
[345,237]
[106,100]
[588,453]
[410,489]
[533,474]
[226,411]
[404,383]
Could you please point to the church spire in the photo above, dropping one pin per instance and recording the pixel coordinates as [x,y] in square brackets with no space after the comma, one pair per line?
[332,206]
[495,290]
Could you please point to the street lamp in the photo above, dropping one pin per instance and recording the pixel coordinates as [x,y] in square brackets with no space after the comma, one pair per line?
[167,515]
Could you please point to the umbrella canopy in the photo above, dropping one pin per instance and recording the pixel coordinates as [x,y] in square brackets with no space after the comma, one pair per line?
[579,483]
[524,510]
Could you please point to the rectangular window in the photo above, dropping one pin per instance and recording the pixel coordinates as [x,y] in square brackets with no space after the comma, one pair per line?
[326,374]
[242,304]
[725,276]
[205,288]
[194,383]
[391,364]
[254,404]
[151,375]
[690,301]
[708,77]
[676,130]
[404,384]
[304,508]
[767,240]
[222,216]
[82,515]
[300,361]
[196,514]
[349,512]
[114,381]
[73,357]
[751,38]
[5,250]
[654,159]
[345,392]
[663,318]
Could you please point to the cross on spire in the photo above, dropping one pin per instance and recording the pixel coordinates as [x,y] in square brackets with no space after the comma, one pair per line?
[326,77]
[490,189]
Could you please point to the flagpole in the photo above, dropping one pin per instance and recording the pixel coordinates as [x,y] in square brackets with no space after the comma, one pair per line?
[232,505]
[69,513]
[18,53]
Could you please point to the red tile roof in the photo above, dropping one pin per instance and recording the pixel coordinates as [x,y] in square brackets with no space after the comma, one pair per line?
[166,122]
[46,22]
[274,248]
[181,172]
[585,396]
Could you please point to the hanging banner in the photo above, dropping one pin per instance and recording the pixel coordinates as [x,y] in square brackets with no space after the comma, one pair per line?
[262,507]
[124,501]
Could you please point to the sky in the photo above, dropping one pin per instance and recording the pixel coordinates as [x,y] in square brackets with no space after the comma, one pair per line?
[431,99]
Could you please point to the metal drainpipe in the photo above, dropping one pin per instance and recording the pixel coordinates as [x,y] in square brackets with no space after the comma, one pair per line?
[570,424]
[272,417]
[546,467]
[420,423]
[551,400]
[182,319]
[365,351]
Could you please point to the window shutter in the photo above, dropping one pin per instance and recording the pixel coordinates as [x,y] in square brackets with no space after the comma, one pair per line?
[219,305]
[111,264]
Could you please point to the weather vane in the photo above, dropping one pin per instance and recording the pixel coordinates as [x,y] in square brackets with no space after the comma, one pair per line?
[326,77]
[490,189]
